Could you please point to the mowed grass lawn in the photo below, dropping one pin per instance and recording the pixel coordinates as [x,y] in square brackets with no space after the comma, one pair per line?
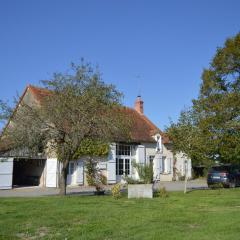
[209,214]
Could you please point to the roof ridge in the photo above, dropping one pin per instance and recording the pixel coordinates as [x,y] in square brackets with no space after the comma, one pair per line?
[37,88]
[14,110]
[150,123]
[142,116]
[154,128]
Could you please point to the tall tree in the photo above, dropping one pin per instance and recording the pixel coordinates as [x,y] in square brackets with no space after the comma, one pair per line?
[219,102]
[76,107]
[187,137]
[216,111]
[5,111]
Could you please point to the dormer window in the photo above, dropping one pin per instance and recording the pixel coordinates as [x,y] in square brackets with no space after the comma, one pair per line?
[158,139]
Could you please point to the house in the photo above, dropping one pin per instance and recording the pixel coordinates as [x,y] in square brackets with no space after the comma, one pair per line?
[148,144]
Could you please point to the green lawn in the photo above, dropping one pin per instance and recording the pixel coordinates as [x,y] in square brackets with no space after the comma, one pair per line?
[210,214]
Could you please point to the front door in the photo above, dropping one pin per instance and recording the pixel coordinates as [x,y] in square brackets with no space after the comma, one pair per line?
[123,167]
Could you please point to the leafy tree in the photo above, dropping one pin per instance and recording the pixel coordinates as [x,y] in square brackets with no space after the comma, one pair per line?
[5,111]
[187,137]
[215,132]
[219,103]
[78,108]
[99,150]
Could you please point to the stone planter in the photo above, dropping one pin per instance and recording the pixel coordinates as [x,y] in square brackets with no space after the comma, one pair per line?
[140,190]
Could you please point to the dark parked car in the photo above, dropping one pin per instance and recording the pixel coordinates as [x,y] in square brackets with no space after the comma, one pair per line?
[225,175]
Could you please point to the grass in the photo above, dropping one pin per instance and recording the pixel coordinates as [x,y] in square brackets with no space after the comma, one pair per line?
[208,214]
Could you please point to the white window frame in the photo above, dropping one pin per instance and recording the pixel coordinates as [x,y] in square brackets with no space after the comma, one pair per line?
[124,158]
[166,165]
[150,158]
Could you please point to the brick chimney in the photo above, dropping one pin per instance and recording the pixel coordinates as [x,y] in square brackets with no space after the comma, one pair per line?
[139,105]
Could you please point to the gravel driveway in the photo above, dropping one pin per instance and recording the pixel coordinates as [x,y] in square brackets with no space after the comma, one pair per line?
[179,186]
[40,191]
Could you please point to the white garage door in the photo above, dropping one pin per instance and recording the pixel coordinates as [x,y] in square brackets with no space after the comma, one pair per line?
[6,172]
[51,176]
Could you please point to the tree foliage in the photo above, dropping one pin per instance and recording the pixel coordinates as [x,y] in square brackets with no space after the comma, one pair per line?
[145,172]
[90,147]
[78,116]
[187,137]
[5,111]
[215,132]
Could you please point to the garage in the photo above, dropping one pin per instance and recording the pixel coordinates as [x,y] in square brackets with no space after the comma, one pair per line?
[28,172]
[23,172]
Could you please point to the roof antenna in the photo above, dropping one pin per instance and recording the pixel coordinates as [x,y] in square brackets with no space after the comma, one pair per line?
[138,77]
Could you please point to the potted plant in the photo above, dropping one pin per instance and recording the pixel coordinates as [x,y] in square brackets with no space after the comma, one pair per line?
[142,188]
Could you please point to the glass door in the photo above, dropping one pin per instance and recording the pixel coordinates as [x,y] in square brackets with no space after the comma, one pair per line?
[123,167]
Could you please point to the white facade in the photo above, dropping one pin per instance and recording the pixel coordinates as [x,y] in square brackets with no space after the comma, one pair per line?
[117,165]
[121,157]
[166,167]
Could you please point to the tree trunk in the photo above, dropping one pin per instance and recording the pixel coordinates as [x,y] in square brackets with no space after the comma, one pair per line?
[185,184]
[174,170]
[63,179]
[186,176]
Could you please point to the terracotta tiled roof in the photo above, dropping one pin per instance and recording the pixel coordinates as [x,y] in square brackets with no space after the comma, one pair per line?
[142,128]
[38,93]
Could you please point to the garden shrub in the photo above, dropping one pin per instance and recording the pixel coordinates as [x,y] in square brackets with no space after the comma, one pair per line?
[116,191]
[161,192]
[91,172]
[131,180]
[145,172]
[94,175]
[103,179]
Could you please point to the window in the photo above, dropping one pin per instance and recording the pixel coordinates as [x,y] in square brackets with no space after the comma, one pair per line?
[122,166]
[151,157]
[127,166]
[123,160]
[123,150]
[166,165]
[119,166]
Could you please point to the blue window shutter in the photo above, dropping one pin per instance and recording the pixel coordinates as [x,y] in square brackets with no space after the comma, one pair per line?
[162,164]
[170,165]
[80,173]
[111,164]
[141,154]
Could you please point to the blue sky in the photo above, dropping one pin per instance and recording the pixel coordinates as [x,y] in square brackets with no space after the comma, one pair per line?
[155,48]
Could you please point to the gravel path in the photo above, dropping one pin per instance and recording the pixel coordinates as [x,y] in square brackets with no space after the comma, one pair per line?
[82,190]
